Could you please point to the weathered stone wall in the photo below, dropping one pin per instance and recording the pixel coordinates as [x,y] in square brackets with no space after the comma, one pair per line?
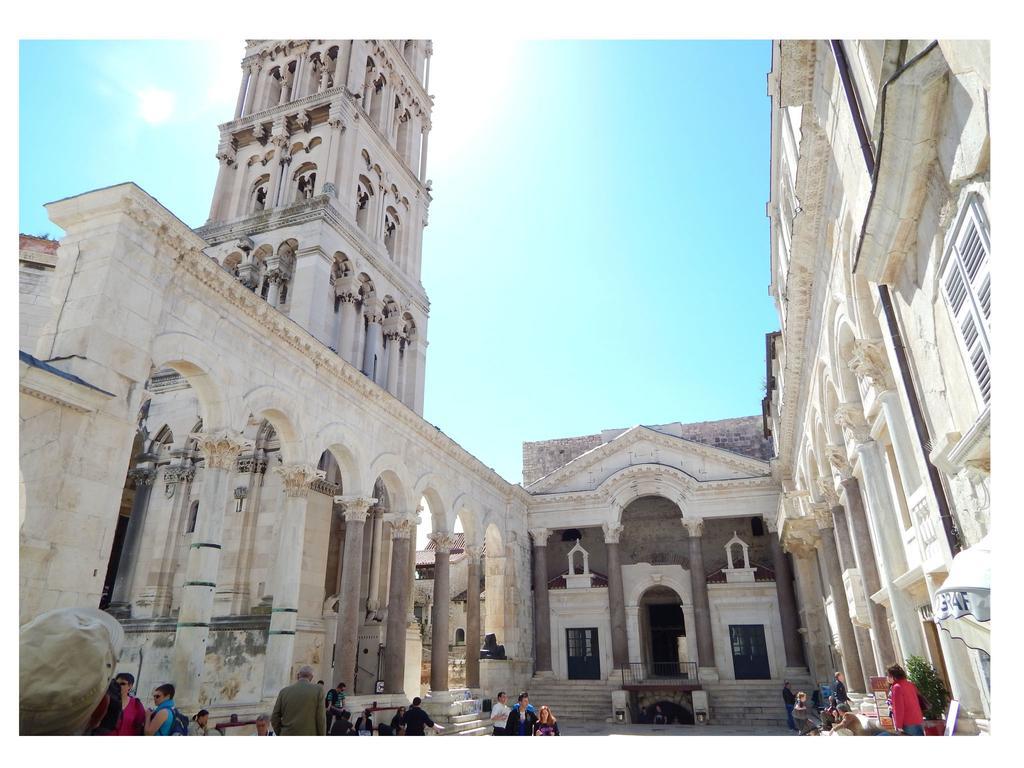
[545,456]
[36,260]
[742,435]
[592,540]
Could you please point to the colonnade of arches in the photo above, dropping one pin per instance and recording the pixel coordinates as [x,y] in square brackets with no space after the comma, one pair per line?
[204,564]
[858,476]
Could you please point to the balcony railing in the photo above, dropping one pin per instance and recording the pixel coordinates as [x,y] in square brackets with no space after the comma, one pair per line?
[659,673]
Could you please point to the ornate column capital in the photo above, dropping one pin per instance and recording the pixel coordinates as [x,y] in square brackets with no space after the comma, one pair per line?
[296,479]
[828,489]
[355,507]
[402,523]
[142,476]
[220,448]
[443,541]
[869,363]
[850,416]
[694,526]
[475,552]
[822,512]
[771,523]
[612,532]
[840,462]
[540,536]
[799,544]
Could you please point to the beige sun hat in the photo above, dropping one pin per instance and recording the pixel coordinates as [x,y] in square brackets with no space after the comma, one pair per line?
[67,660]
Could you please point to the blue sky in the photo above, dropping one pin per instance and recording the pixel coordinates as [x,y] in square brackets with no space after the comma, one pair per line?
[597,254]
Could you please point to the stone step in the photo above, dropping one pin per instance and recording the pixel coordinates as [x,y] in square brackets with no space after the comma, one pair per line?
[484,730]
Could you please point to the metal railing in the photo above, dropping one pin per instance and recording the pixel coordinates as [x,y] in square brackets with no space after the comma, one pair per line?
[659,672]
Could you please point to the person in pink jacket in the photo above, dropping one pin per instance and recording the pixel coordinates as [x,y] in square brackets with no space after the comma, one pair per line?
[906,707]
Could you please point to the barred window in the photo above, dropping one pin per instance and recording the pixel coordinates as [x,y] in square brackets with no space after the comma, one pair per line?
[967,284]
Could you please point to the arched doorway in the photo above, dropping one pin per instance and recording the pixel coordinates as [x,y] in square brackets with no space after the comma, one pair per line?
[663,633]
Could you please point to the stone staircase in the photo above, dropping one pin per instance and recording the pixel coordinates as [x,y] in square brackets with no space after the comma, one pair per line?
[460,718]
[750,702]
[572,700]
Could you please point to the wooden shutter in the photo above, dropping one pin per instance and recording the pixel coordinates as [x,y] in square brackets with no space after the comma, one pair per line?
[968,285]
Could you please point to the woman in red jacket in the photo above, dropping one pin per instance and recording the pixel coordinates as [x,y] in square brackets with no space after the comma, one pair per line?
[906,708]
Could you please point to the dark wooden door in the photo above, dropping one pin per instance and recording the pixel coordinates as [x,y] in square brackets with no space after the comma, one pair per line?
[584,658]
[749,652]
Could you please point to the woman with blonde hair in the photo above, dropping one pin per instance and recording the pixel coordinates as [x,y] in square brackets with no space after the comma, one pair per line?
[547,724]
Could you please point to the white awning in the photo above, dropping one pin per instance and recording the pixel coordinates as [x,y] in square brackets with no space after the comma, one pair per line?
[961,606]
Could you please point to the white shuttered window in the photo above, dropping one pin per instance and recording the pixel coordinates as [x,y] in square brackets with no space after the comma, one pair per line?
[967,283]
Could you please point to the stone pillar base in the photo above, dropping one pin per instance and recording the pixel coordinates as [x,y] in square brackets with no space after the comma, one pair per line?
[620,704]
[708,674]
[446,697]
[546,674]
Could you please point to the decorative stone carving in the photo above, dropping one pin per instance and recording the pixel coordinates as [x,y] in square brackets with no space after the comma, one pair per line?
[142,476]
[828,489]
[220,448]
[869,363]
[771,523]
[443,541]
[694,526]
[296,479]
[355,508]
[840,462]
[475,552]
[822,512]
[850,416]
[540,536]
[612,532]
[402,523]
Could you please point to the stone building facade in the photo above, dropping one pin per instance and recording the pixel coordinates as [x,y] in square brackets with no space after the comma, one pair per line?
[879,380]
[236,413]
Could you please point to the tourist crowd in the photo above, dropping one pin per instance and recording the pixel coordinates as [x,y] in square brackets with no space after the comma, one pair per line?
[92,698]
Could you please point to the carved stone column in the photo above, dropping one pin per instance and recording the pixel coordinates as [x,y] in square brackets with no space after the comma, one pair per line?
[394,341]
[787,601]
[616,598]
[834,564]
[121,596]
[346,290]
[399,600]
[241,93]
[347,641]
[443,543]
[881,640]
[473,617]
[541,607]
[701,604]
[814,627]
[220,450]
[285,611]
[373,360]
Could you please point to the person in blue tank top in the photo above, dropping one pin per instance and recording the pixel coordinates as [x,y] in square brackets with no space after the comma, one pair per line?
[160,719]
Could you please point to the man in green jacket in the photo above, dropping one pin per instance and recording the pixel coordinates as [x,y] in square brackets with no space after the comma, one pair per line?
[299,709]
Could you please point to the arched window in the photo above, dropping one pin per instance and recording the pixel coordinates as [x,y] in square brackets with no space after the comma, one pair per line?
[402,137]
[305,181]
[258,196]
[193,517]
[368,78]
[364,190]
[391,231]
[377,106]
[460,636]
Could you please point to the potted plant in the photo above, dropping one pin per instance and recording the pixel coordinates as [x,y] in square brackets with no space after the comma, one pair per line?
[930,686]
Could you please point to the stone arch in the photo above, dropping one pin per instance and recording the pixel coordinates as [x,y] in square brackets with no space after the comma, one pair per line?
[194,359]
[266,402]
[336,437]
[845,335]
[676,583]
[441,517]
[465,509]
[631,483]
[391,468]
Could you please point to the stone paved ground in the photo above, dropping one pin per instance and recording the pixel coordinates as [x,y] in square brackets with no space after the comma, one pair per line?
[581,728]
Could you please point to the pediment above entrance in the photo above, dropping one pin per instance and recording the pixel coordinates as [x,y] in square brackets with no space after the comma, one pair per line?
[693,463]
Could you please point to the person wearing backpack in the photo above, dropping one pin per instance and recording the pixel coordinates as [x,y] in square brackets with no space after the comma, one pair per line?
[165,719]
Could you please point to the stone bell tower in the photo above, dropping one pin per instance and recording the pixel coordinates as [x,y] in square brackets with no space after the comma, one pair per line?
[322,196]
